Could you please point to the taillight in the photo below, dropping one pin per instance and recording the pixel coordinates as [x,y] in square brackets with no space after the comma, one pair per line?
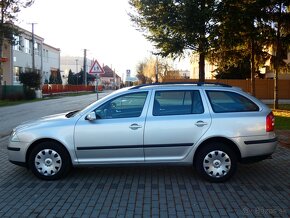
[270,122]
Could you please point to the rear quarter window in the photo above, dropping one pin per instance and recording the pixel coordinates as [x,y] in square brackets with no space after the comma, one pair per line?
[226,101]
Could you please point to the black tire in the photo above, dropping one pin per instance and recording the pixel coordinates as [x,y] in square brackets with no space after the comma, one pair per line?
[49,161]
[216,162]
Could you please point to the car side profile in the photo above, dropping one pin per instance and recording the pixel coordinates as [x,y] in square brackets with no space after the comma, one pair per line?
[209,126]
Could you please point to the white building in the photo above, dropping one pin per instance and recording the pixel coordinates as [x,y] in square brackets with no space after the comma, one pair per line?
[209,68]
[46,58]
[268,70]
[73,63]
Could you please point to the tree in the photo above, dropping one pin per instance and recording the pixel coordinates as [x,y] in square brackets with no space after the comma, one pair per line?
[55,78]
[80,77]
[150,69]
[31,81]
[241,70]
[156,70]
[71,78]
[141,73]
[8,15]
[175,26]
[241,35]
[249,29]
[279,22]
[171,74]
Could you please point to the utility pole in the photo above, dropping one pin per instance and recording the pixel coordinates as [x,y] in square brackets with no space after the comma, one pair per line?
[85,65]
[77,73]
[33,42]
[115,83]
[77,65]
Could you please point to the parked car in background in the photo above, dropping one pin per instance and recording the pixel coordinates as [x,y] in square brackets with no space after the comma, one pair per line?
[209,126]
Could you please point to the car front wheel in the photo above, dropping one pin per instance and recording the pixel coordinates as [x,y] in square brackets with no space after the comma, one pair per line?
[49,161]
[216,162]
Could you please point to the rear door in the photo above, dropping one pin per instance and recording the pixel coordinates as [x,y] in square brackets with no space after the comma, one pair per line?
[176,121]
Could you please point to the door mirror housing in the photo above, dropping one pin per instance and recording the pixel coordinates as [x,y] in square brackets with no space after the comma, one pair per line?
[91,116]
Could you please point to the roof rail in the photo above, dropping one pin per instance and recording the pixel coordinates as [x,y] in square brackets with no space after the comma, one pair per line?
[182,83]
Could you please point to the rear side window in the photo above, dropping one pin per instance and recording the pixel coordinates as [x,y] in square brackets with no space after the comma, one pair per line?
[177,103]
[225,101]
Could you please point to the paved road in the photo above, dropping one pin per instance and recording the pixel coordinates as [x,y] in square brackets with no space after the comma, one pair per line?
[14,115]
[260,189]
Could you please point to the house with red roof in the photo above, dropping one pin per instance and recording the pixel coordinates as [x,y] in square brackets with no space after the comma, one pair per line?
[110,79]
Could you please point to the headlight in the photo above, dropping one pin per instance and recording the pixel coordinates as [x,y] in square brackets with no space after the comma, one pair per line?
[14,137]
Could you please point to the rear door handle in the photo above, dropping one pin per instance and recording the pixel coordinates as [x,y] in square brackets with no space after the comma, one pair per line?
[200,123]
[135,126]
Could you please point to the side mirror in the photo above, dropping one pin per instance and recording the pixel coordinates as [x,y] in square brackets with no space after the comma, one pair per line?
[91,116]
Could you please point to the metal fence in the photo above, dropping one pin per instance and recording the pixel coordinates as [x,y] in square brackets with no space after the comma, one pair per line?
[11,92]
[55,88]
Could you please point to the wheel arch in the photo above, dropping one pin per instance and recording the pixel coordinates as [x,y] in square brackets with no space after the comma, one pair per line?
[224,140]
[35,143]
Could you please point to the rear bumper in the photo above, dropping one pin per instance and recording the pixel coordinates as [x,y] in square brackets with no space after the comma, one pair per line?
[257,147]
[255,159]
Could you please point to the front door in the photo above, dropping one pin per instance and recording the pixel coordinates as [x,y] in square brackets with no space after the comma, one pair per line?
[116,136]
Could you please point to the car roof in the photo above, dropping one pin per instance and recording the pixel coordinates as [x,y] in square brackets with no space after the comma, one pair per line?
[181,85]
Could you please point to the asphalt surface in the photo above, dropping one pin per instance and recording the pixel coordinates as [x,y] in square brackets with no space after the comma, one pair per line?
[12,116]
[257,190]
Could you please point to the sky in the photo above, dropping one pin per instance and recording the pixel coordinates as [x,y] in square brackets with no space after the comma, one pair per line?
[103,27]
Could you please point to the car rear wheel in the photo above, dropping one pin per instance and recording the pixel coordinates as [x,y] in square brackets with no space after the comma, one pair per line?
[49,161]
[216,162]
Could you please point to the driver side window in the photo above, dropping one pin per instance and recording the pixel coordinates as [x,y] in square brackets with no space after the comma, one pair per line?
[125,106]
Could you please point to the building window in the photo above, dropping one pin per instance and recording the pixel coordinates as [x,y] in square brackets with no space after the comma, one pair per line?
[16,47]
[37,48]
[16,72]
[27,46]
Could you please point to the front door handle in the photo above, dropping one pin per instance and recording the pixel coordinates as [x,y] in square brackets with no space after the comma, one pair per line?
[135,126]
[200,123]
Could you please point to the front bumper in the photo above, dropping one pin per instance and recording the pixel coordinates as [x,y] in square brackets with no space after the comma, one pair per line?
[17,152]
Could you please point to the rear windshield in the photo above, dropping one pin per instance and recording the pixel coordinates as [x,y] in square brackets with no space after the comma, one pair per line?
[225,101]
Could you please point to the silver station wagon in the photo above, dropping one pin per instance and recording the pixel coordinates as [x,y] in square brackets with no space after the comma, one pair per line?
[209,126]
